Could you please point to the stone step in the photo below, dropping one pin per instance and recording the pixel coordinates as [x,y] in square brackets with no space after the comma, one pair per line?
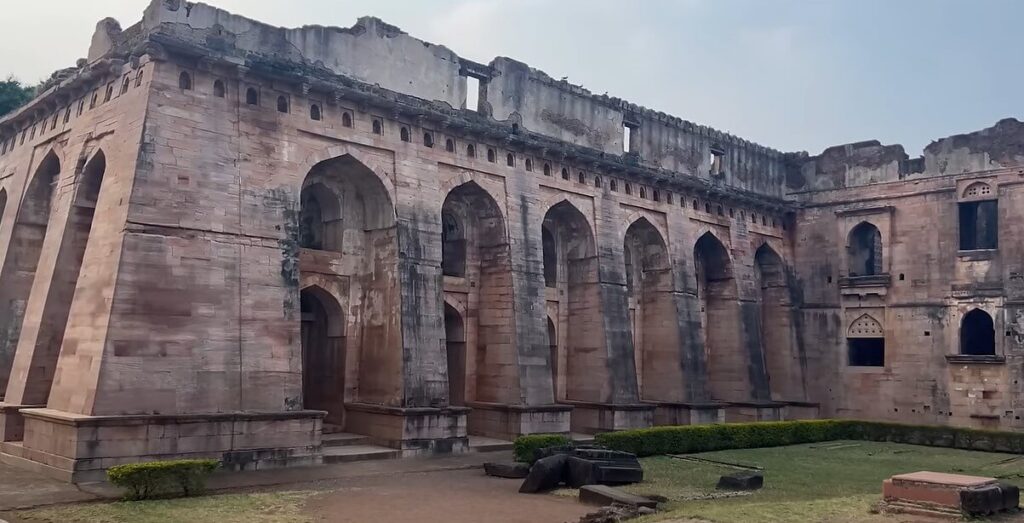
[350,453]
[484,444]
[342,439]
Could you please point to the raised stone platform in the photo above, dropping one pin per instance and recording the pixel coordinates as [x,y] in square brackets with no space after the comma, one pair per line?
[932,493]
[591,418]
[507,422]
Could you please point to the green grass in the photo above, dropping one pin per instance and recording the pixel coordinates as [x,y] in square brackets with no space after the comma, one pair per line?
[830,481]
[276,507]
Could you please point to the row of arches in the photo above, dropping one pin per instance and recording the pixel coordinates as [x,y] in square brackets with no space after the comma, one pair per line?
[40,341]
[342,203]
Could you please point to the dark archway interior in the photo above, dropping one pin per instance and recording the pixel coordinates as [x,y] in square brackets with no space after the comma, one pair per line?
[977,334]
[775,324]
[865,250]
[455,343]
[323,354]
[720,320]
[652,311]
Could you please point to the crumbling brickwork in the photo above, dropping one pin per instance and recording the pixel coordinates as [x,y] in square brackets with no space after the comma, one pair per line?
[217,236]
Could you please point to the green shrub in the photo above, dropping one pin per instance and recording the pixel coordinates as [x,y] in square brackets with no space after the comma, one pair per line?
[525,447]
[688,439]
[162,478]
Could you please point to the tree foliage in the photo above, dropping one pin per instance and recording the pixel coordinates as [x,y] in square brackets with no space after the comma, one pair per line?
[13,94]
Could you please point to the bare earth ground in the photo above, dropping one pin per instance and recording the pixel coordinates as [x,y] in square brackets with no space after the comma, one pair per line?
[458,496]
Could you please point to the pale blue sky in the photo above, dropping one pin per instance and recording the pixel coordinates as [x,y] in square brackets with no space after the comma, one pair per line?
[789,74]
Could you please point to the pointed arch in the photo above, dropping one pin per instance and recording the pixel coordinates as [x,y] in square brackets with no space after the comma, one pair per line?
[865,326]
[721,322]
[775,325]
[652,312]
[455,345]
[864,250]
[323,352]
[977,334]
[865,340]
[3,205]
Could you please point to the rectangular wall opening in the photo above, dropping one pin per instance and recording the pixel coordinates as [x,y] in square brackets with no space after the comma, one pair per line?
[472,93]
[866,352]
[979,225]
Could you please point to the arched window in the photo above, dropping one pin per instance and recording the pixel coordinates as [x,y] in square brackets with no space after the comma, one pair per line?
[510,160]
[218,88]
[668,198]
[613,185]
[655,195]
[403,134]
[764,221]
[977,334]
[865,342]
[597,182]
[629,188]
[138,78]
[695,205]
[378,126]
[110,93]
[314,112]
[581,177]
[282,104]
[529,165]
[53,122]
[184,81]
[547,169]
[643,193]
[346,121]
[753,218]
[864,250]
[565,173]
[252,97]
[95,98]
[428,140]
[720,211]
[125,83]
[492,156]
[471,151]
[707,207]
[449,145]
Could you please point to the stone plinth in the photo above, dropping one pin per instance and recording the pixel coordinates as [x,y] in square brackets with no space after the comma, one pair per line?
[749,411]
[12,424]
[668,413]
[591,418]
[508,422]
[416,430]
[74,447]
[796,410]
[931,492]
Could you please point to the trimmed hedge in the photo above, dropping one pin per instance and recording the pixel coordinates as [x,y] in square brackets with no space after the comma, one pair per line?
[184,477]
[525,447]
[688,439]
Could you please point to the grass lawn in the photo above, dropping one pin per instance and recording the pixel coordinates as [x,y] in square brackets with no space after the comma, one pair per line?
[832,481]
[276,507]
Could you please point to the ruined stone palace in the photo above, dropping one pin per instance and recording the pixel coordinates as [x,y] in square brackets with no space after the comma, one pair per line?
[221,238]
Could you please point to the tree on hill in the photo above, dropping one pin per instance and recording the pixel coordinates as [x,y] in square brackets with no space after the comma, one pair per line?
[13,94]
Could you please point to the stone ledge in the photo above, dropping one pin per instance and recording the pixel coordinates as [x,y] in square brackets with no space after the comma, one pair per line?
[82,420]
[554,407]
[404,411]
[609,406]
[970,359]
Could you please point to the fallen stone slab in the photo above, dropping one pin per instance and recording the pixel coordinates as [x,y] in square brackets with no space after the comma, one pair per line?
[744,480]
[508,469]
[546,474]
[606,495]
[954,494]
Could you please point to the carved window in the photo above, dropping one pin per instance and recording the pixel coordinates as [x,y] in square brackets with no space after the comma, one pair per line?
[346,120]
[655,195]
[404,134]
[643,193]
[510,160]
[492,156]
[613,185]
[547,169]
[449,145]
[581,177]
[864,251]
[378,126]
[629,188]
[110,92]
[597,182]
[529,165]
[138,78]
[471,151]
[218,88]
[125,83]
[53,122]
[717,157]
[977,334]
[707,207]
[565,173]
[81,107]
[979,220]
[865,340]
[282,104]
[184,81]
[720,211]
[314,112]
[428,140]
[453,246]
[252,97]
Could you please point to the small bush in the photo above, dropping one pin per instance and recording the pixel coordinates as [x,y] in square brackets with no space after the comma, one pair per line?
[688,439]
[185,477]
[524,448]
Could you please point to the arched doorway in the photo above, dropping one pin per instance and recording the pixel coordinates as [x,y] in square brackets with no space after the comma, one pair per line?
[348,243]
[554,357]
[728,372]
[652,311]
[19,269]
[977,334]
[864,250]
[476,261]
[776,327]
[323,354]
[455,343]
[570,260]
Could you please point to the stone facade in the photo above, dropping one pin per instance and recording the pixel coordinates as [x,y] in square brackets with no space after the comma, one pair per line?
[218,236]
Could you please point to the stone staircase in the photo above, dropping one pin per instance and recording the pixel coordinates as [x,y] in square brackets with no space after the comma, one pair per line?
[345,447]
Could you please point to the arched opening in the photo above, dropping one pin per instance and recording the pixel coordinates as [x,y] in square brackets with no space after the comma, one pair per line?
[864,250]
[184,81]
[547,169]
[471,151]
[218,89]
[378,127]
[570,261]
[125,83]
[314,112]
[449,145]
[346,121]
[323,354]
[565,173]
[977,334]
[553,351]
[403,133]
[3,205]
[775,325]
[717,295]
[282,104]
[651,311]
[19,268]
[475,248]
[347,223]
[865,343]
[492,156]
[252,97]
[510,160]
[428,139]
[455,344]
[529,165]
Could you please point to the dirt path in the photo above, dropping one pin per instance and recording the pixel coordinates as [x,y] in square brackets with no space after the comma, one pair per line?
[458,496]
